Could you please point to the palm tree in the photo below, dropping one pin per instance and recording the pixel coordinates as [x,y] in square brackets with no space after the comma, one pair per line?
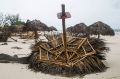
[78,29]
[100,28]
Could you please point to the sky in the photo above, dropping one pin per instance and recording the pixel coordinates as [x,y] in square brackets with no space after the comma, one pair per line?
[87,11]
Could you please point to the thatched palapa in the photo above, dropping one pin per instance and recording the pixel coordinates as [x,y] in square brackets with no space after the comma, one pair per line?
[100,28]
[51,58]
[31,27]
[35,25]
[78,29]
[52,28]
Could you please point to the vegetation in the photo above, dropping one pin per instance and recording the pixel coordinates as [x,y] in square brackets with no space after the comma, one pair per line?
[10,20]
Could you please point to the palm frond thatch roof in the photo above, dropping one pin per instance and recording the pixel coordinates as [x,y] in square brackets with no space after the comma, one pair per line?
[100,28]
[35,24]
[78,28]
[51,28]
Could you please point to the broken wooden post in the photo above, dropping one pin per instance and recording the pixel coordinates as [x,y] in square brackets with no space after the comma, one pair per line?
[63,15]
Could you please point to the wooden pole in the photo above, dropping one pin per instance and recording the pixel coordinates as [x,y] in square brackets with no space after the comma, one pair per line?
[64,31]
[63,24]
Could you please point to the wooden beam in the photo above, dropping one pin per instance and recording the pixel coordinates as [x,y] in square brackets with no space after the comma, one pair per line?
[82,42]
[47,55]
[84,50]
[91,46]
[59,54]
[40,52]
[49,51]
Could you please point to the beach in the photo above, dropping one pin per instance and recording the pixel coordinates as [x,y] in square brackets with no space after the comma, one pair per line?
[22,49]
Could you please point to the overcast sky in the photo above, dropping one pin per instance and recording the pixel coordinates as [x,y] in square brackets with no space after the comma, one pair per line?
[87,11]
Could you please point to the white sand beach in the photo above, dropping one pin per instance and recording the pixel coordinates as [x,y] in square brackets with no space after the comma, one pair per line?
[21,71]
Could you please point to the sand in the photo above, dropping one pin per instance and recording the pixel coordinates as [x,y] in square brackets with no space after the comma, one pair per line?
[113,72]
[20,71]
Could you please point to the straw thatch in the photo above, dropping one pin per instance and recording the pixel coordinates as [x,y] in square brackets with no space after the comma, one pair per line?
[52,28]
[100,28]
[100,47]
[78,29]
[31,28]
[90,64]
[35,25]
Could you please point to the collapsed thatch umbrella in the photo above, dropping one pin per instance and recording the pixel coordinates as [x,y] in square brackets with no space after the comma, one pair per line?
[89,64]
[78,29]
[52,28]
[100,28]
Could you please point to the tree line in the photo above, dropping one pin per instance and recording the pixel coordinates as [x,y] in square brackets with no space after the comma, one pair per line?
[10,20]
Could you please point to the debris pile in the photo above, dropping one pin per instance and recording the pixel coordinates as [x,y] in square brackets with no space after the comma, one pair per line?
[82,56]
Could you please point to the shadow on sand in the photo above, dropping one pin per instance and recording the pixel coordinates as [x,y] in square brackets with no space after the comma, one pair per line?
[4,58]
